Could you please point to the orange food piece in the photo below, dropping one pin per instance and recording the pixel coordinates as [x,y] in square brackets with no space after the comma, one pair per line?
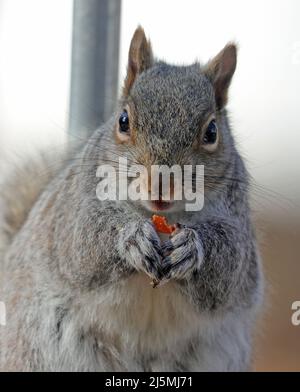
[161,225]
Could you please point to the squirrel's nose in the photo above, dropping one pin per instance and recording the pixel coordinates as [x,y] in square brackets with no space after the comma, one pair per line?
[159,185]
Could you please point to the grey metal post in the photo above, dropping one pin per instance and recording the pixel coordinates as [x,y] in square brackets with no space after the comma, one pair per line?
[95,64]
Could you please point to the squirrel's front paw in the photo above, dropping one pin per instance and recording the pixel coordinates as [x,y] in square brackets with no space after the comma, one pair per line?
[183,254]
[140,245]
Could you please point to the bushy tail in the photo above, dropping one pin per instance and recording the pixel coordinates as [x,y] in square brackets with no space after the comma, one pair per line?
[21,189]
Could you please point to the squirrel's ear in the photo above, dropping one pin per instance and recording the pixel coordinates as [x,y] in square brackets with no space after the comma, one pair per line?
[220,71]
[140,58]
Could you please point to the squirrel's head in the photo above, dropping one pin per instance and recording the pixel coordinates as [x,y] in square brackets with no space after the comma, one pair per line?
[175,115]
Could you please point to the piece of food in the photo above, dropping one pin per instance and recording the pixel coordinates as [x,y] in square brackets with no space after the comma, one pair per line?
[161,225]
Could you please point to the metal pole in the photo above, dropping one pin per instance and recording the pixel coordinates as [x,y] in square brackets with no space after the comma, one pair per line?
[95,64]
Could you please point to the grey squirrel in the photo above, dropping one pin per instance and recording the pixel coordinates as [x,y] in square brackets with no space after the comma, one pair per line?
[75,271]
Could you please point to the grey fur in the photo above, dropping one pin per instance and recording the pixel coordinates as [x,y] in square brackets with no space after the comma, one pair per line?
[75,277]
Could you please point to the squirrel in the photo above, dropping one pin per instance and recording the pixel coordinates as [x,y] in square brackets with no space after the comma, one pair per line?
[75,270]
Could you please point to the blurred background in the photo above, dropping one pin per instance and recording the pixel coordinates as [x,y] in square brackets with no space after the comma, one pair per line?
[61,68]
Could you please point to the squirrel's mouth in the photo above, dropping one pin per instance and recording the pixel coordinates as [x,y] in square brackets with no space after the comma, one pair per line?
[159,205]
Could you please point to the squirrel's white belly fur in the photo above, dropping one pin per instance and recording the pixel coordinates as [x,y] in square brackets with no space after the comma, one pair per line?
[131,326]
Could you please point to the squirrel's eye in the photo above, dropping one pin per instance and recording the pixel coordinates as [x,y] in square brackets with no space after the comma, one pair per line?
[124,122]
[211,134]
